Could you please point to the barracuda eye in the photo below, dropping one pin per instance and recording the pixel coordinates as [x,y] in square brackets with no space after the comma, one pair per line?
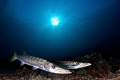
[53,66]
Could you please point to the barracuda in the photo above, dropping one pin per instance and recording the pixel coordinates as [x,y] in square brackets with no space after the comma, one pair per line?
[39,63]
[72,64]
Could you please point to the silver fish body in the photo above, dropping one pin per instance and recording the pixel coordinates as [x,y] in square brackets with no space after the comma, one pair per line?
[41,64]
[72,64]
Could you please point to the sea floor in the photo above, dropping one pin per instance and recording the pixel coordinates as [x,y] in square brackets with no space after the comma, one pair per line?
[27,74]
[101,69]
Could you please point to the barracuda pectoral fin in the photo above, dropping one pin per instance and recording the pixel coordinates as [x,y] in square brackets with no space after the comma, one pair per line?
[34,68]
[21,64]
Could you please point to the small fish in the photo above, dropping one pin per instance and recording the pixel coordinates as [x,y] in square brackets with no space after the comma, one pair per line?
[39,63]
[72,64]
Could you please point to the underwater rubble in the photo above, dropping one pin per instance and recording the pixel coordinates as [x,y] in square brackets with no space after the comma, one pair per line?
[101,69]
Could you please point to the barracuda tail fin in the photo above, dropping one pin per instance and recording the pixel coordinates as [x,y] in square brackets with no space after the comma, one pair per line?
[13,58]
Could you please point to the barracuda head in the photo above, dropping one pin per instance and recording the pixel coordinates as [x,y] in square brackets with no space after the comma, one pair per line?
[55,69]
[80,65]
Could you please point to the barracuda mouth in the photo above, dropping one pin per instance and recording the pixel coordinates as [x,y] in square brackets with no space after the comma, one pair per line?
[60,71]
[56,69]
[64,72]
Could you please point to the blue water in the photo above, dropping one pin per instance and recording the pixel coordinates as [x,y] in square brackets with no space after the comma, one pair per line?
[85,26]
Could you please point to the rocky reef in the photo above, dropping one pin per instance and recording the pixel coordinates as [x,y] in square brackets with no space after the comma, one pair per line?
[101,69]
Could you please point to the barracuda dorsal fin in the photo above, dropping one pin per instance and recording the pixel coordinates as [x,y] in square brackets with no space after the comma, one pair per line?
[24,53]
[13,58]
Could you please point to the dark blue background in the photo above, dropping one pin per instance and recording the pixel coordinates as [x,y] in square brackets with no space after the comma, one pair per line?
[85,26]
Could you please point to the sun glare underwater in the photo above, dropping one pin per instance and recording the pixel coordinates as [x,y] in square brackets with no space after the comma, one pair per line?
[55,20]
[58,29]
[59,37]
